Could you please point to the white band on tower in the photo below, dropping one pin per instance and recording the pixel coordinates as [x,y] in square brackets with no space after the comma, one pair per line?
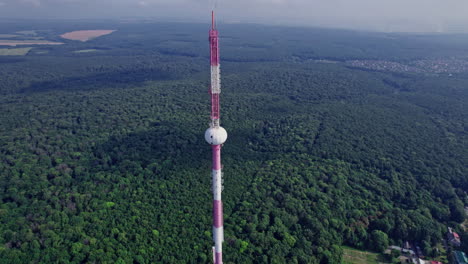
[215,80]
[218,237]
[217,184]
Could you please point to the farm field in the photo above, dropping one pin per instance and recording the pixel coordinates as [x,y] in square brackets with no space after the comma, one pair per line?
[14,43]
[2,36]
[27,32]
[14,52]
[85,35]
[354,256]
[85,51]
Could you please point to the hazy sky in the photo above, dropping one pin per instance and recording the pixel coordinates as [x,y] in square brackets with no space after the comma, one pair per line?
[386,15]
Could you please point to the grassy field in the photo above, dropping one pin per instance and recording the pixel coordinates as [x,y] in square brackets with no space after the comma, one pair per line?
[7,42]
[85,35]
[354,256]
[14,52]
[41,52]
[85,51]
[8,36]
[27,32]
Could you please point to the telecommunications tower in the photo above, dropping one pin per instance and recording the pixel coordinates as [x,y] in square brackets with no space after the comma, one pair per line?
[215,135]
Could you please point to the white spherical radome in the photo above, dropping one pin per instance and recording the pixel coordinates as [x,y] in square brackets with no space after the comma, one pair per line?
[216,135]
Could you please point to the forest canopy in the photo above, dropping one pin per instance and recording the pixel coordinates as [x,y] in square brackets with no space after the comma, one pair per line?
[103,158]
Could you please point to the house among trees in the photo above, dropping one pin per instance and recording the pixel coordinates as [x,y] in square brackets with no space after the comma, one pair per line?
[453,238]
[404,259]
[460,257]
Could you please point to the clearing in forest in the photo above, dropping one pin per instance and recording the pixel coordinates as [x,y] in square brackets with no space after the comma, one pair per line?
[85,35]
[354,256]
[14,52]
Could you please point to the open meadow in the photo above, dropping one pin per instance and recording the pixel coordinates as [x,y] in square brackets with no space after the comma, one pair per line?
[13,43]
[3,36]
[14,52]
[85,35]
[355,256]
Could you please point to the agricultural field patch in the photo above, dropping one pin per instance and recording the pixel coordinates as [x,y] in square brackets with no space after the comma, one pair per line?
[14,43]
[27,32]
[2,36]
[354,256]
[85,35]
[14,52]
[41,52]
[85,51]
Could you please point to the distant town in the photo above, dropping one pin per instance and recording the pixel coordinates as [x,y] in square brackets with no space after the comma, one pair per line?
[412,253]
[448,66]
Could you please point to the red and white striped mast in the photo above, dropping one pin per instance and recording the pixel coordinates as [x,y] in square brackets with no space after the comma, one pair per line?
[215,135]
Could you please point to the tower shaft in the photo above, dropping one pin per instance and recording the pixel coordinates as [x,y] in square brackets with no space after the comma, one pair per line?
[216,136]
[218,231]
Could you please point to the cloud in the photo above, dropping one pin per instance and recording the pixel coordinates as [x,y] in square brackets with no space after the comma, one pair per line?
[2,3]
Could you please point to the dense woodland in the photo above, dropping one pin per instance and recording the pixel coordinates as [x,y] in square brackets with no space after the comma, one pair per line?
[103,158]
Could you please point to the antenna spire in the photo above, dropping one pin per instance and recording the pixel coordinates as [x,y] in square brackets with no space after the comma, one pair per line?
[212,20]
